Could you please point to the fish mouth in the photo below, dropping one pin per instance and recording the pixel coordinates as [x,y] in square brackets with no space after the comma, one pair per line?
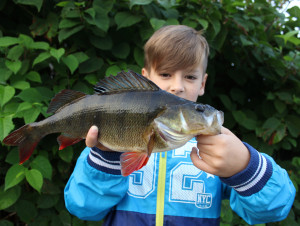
[215,120]
[170,135]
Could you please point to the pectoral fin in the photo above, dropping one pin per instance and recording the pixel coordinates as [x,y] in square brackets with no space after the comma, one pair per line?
[132,161]
[66,140]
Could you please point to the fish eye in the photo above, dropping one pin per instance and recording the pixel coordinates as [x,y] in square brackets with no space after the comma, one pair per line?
[199,107]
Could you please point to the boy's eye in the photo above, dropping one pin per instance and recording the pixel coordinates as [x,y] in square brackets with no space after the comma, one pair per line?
[165,75]
[191,77]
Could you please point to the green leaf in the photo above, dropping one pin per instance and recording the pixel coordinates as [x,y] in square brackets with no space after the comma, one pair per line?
[280,106]
[226,101]
[41,57]
[101,43]
[216,25]
[21,85]
[121,50]
[204,23]
[36,95]
[6,125]
[288,36]
[220,39]
[138,56]
[43,165]
[157,23]
[172,21]
[91,65]
[35,179]
[101,19]
[71,62]
[13,156]
[66,33]
[125,19]
[242,119]
[15,52]
[68,23]
[280,134]
[4,72]
[65,217]
[8,41]
[9,197]
[293,125]
[244,41]
[66,154]
[23,107]
[37,3]
[34,76]
[45,93]
[57,53]
[14,66]
[26,211]
[139,2]
[39,45]
[271,123]
[112,70]
[6,93]
[91,78]
[81,57]
[30,95]
[14,176]
[31,114]
[47,201]
[26,40]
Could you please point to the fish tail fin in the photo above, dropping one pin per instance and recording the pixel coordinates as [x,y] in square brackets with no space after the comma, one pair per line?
[26,138]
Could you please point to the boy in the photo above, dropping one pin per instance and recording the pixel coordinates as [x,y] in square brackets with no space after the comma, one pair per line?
[179,186]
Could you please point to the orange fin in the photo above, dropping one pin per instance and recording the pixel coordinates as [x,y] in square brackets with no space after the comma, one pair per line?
[65,140]
[132,161]
[26,139]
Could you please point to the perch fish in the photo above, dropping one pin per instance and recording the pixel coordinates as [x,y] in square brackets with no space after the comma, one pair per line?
[133,115]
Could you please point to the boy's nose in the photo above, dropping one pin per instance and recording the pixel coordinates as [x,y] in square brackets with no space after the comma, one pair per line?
[177,86]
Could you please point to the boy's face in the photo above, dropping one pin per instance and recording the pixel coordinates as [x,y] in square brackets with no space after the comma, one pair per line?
[187,84]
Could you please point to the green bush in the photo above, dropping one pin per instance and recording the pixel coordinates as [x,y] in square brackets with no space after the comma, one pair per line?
[47,46]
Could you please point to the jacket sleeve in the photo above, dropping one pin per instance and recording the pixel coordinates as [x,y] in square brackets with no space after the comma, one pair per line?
[96,184]
[263,192]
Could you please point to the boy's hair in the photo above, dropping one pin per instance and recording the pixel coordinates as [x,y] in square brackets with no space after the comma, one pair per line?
[176,47]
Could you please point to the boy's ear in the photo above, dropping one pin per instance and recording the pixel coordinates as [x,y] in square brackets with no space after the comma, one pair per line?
[202,88]
[145,72]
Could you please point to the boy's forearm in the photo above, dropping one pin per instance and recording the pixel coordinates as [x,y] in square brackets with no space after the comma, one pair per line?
[94,187]
[263,192]
[105,161]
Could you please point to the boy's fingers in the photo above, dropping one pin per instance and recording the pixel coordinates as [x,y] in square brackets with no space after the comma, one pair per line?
[198,162]
[92,137]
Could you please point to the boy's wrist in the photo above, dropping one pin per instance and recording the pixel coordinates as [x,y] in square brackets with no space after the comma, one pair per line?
[254,177]
[105,161]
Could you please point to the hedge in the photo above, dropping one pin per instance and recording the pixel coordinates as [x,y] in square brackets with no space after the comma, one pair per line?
[47,46]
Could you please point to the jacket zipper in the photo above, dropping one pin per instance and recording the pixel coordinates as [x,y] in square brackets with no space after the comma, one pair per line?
[160,203]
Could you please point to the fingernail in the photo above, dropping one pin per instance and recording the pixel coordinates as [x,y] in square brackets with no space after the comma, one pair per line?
[198,153]
[94,128]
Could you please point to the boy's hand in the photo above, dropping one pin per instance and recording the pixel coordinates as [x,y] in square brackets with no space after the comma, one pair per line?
[223,155]
[91,139]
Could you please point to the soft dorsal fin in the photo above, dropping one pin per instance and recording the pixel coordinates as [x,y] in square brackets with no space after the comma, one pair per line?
[65,97]
[125,81]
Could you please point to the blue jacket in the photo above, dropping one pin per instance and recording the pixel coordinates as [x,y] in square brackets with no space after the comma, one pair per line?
[170,190]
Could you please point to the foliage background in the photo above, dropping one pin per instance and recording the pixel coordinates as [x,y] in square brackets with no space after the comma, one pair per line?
[50,45]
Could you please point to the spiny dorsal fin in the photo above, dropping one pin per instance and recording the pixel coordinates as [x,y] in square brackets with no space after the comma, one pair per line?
[125,81]
[65,97]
